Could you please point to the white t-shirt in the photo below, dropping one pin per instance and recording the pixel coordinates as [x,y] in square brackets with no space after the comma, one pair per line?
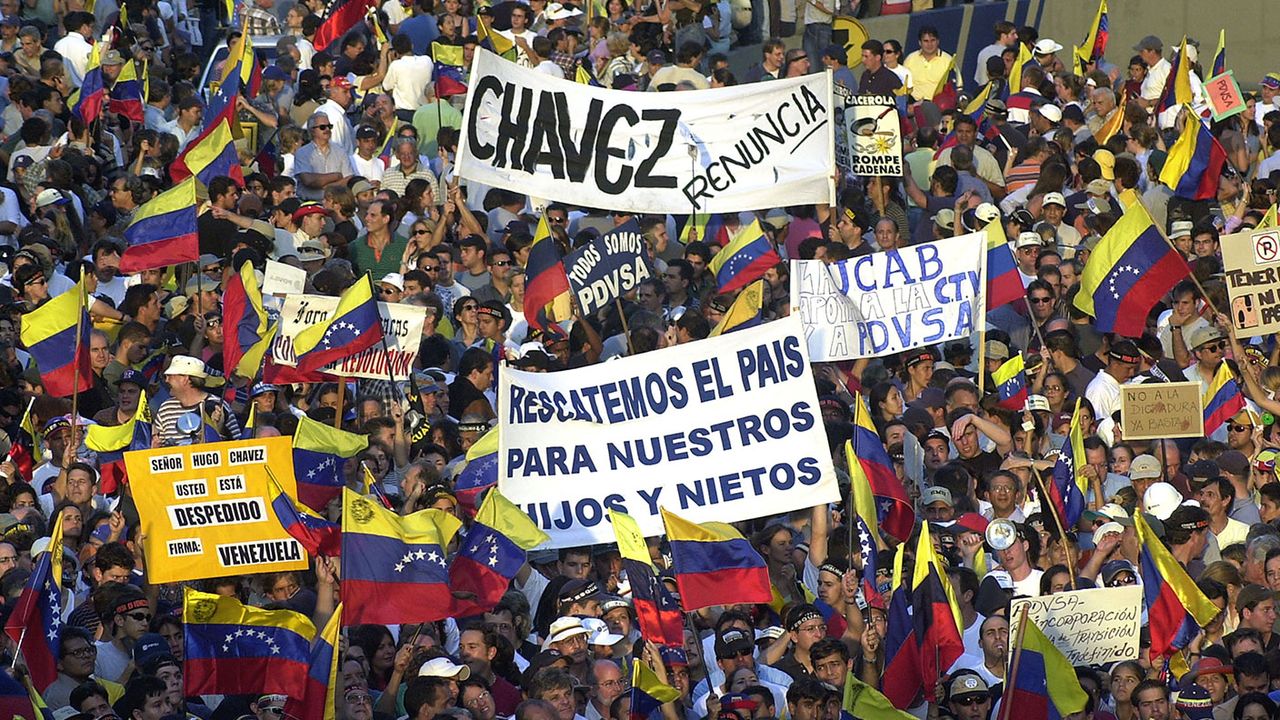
[407,80]
[1028,586]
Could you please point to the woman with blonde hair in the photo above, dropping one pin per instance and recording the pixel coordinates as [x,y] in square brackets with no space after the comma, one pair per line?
[1227,575]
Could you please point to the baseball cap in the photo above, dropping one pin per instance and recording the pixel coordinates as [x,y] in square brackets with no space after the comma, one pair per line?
[973,522]
[50,196]
[308,208]
[732,642]
[1045,46]
[132,376]
[340,81]
[598,632]
[1028,239]
[1105,528]
[1193,701]
[1116,513]
[1188,517]
[1107,161]
[1054,198]
[366,132]
[445,668]
[1050,112]
[274,72]
[1125,351]
[997,350]
[577,591]
[1150,42]
[395,280]
[915,358]
[967,684]
[112,57]
[1233,462]
[1204,334]
[945,218]
[1180,228]
[1144,466]
[1113,568]
[836,52]
[986,212]
[934,494]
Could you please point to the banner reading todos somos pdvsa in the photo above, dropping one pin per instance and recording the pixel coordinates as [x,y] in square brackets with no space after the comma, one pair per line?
[723,150]
[722,429]
[887,302]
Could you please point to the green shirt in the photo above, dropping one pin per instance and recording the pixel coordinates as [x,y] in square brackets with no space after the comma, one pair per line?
[365,259]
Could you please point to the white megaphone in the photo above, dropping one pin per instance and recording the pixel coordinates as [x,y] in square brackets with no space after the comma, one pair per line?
[1001,534]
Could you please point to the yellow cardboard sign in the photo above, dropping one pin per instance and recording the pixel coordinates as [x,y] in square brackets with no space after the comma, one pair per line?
[206,509]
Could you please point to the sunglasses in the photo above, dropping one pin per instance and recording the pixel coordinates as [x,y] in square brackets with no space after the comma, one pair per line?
[1041,300]
[501,263]
[387,291]
[970,700]
[140,617]
[421,232]
[316,127]
[430,268]
[1213,347]
[1240,428]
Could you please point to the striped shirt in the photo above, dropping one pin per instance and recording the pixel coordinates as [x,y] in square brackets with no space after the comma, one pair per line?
[165,424]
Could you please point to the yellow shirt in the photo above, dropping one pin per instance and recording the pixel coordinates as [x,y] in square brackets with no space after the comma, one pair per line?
[928,75]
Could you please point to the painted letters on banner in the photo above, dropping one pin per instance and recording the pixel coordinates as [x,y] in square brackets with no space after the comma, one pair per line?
[887,302]
[402,325]
[723,150]
[1251,264]
[723,429]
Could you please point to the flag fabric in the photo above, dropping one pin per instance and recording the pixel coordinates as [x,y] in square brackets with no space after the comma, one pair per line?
[648,693]
[447,69]
[317,701]
[1045,685]
[222,103]
[1194,165]
[1113,124]
[747,310]
[714,564]
[22,448]
[1069,486]
[372,488]
[356,325]
[903,678]
[317,535]
[246,333]
[88,104]
[936,615]
[480,473]
[210,155]
[235,649]
[1177,85]
[1011,383]
[319,452]
[746,258]
[494,551]
[1024,59]
[494,41]
[863,701]
[1004,282]
[583,75]
[1096,43]
[657,610]
[1176,609]
[36,621]
[394,568]
[163,232]
[1268,219]
[1222,399]
[17,701]
[1129,271]
[865,522]
[340,17]
[709,227]
[546,294]
[49,334]
[112,441]
[894,512]
[126,93]
[1219,65]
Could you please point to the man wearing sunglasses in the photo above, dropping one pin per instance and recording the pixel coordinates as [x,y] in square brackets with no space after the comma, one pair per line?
[320,162]
[128,621]
[1208,345]
[968,696]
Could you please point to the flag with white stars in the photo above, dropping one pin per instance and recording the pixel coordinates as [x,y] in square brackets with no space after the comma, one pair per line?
[235,649]
[745,259]
[355,326]
[36,621]
[489,558]
[319,453]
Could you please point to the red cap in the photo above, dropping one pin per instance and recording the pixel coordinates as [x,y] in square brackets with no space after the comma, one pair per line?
[972,522]
[341,81]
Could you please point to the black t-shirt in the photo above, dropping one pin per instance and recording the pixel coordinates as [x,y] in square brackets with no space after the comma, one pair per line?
[215,235]
[982,465]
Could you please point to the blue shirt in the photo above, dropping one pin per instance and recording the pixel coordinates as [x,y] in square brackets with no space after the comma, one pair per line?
[422,30]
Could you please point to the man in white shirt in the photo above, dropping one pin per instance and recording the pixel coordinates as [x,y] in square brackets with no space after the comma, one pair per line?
[1103,392]
[1150,49]
[521,35]
[340,97]
[1006,35]
[75,47]
[1269,86]
[542,48]
[366,160]
[408,77]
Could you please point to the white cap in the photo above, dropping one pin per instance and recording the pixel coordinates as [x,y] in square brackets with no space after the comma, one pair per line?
[986,212]
[186,365]
[564,628]
[1045,46]
[1104,529]
[1161,499]
[556,11]
[1180,228]
[773,632]
[445,668]
[1116,513]
[1052,113]
[598,632]
[1027,239]
[48,197]
[1054,198]
[395,280]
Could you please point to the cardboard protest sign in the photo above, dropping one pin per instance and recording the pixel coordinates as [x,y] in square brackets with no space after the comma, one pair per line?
[1251,263]
[1224,96]
[873,135]
[1090,627]
[712,151]
[1161,410]
[608,267]
[887,302]
[206,509]
[723,429]
[402,325]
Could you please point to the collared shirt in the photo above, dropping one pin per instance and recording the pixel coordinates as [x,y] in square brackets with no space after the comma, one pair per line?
[881,82]
[341,135]
[396,179]
[928,74]
[310,159]
[74,50]
[367,259]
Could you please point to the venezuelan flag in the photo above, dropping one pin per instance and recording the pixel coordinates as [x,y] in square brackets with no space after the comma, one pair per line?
[1177,86]
[244,322]
[657,610]
[481,471]
[1176,609]
[316,701]
[163,231]
[648,693]
[1011,383]
[1219,65]
[16,701]
[894,512]
[1222,400]
[583,76]
[493,41]
[88,104]
[1113,125]
[355,326]
[747,310]
[212,154]
[860,700]
[373,488]
[903,676]
[111,443]
[37,616]
[936,615]
[1045,685]
[447,69]
[317,535]
[234,649]
[747,258]
[1024,59]
[1128,272]
[126,93]
[546,293]
[492,554]
[1195,162]
[1096,43]
[319,452]
[49,333]
[714,564]
[1004,282]
[1069,486]
[865,522]
[393,567]
[709,228]
[340,18]
[22,448]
